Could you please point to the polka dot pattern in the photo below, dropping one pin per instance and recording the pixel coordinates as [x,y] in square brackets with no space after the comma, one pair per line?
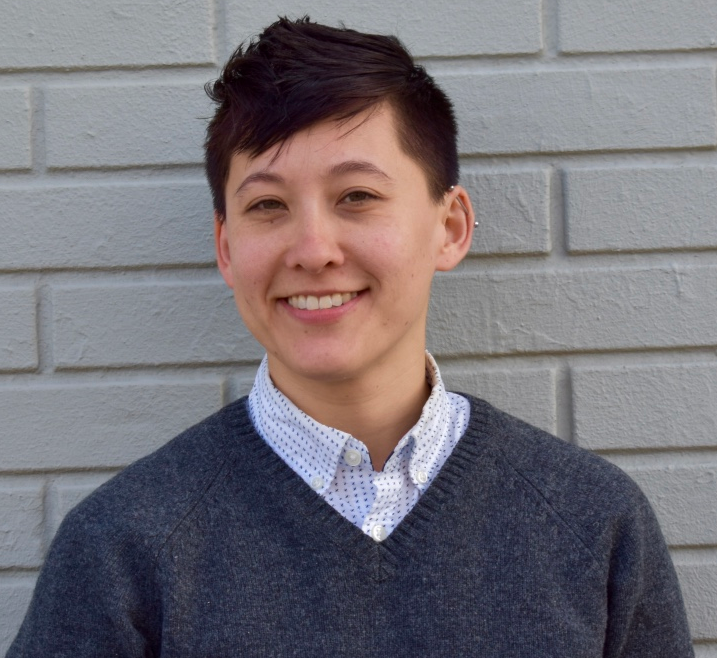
[337,465]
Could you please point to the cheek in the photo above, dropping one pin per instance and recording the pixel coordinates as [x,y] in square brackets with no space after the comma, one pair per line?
[384,258]
[402,267]
[251,265]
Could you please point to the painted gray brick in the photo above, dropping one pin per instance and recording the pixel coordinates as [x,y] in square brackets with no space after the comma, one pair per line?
[632,25]
[15,595]
[699,584]
[149,325]
[90,34]
[15,128]
[241,383]
[706,650]
[18,332]
[95,119]
[21,523]
[68,490]
[526,393]
[683,498]
[588,110]
[125,125]
[492,27]
[559,311]
[97,424]
[641,208]
[513,209]
[107,225]
[70,495]
[672,406]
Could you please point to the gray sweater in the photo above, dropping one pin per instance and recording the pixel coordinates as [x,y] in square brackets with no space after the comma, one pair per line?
[212,547]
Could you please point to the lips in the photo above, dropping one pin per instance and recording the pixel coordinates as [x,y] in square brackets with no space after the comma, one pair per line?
[315,303]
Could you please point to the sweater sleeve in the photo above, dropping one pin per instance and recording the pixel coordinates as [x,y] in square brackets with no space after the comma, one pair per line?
[646,614]
[93,597]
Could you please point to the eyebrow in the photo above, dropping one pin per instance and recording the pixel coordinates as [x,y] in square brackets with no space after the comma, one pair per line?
[357,166]
[259,177]
[339,169]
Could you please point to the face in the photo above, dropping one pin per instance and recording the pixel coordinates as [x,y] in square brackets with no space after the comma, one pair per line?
[330,244]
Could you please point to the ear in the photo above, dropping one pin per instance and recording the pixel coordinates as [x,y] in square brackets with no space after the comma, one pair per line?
[221,244]
[458,224]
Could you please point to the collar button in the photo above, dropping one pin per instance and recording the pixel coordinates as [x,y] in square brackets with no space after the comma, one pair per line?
[352,457]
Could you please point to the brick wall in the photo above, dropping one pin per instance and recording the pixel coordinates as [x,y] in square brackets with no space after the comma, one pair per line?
[588,305]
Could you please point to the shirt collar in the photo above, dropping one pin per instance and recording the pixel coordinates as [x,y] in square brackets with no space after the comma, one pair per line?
[313,450]
[310,448]
[425,460]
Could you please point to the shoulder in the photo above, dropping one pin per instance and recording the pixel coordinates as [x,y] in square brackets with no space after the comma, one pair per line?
[102,574]
[596,499]
[584,518]
[146,501]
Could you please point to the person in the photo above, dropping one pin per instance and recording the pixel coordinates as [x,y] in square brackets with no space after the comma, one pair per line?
[350,506]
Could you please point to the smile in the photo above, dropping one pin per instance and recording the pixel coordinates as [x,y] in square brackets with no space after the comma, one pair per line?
[313,303]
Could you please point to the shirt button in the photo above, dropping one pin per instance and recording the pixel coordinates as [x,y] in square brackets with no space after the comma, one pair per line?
[352,457]
[317,483]
[422,477]
[378,532]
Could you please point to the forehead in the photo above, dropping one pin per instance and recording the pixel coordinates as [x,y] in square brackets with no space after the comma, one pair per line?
[370,136]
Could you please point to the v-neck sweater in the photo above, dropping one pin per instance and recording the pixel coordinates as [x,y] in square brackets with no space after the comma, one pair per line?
[523,546]
[338,466]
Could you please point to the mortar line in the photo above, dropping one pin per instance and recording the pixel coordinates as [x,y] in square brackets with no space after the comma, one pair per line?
[49,509]
[45,352]
[564,413]
[557,216]
[550,31]
[38,146]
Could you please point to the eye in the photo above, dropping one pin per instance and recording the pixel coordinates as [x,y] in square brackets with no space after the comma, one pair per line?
[267,205]
[358,196]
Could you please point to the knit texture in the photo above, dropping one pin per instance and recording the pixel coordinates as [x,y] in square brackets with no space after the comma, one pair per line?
[212,547]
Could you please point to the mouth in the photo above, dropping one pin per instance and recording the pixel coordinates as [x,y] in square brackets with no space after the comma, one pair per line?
[315,303]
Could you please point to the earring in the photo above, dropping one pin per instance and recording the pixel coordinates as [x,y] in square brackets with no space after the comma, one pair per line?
[463,205]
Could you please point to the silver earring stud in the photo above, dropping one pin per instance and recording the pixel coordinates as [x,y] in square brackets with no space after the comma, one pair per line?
[463,205]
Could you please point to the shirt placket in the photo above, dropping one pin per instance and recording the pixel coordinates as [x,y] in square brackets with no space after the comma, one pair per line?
[395,494]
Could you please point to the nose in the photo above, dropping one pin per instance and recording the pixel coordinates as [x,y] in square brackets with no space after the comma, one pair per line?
[314,244]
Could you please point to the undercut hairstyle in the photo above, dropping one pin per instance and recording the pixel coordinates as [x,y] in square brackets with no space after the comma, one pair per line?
[298,73]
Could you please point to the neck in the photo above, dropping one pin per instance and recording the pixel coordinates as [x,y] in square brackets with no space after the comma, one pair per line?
[378,408]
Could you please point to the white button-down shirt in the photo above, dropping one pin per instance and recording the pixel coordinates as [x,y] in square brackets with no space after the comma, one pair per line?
[337,465]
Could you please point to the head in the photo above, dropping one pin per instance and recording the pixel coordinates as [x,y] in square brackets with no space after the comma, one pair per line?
[299,73]
[331,160]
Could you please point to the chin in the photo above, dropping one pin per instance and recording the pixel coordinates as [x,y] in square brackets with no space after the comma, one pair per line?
[323,365]
[326,372]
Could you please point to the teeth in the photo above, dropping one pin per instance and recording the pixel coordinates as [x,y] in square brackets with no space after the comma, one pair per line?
[312,303]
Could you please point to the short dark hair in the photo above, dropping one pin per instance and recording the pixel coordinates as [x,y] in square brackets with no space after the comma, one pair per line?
[298,73]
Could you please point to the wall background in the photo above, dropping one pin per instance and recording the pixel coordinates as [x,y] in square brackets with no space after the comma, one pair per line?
[588,305]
